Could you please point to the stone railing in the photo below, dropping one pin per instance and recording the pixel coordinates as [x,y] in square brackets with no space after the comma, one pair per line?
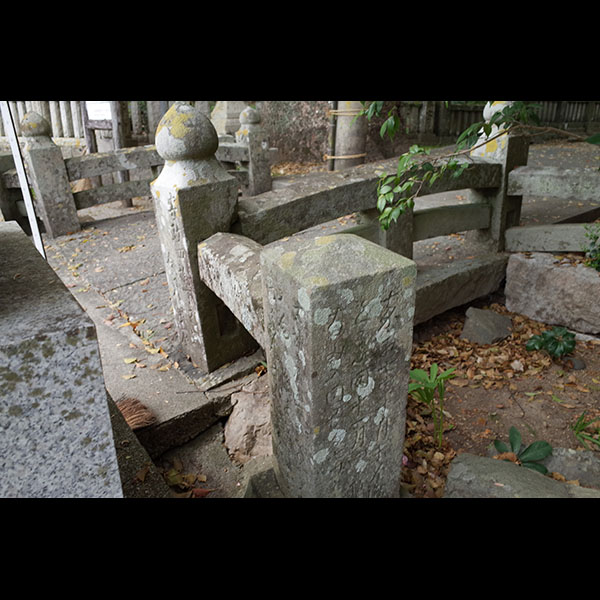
[248,157]
[334,313]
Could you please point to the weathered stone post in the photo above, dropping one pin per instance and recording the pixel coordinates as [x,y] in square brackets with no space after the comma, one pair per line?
[511,151]
[194,197]
[350,135]
[259,163]
[53,198]
[339,320]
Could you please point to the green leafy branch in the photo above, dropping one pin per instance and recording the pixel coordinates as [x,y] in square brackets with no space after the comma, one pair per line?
[396,193]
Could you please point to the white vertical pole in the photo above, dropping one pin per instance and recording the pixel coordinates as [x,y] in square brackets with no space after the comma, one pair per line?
[9,126]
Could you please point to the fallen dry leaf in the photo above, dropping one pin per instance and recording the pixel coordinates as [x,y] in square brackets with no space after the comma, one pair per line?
[201,492]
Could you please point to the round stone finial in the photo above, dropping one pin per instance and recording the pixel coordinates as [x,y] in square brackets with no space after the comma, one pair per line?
[185,133]
[249,116]
[33,124]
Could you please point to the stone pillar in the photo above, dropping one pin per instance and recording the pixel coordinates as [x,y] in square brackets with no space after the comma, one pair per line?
[56,439]
[253,135]
[511,151]
[350,135]
[194,197]
[339,320]
[225,116]
[55,120]
[53,198]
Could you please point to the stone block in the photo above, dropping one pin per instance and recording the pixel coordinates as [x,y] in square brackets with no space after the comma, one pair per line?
[445,287]
[540,288]
[485,326]
[473,476]
[57,439]
[338,314]
[546,238]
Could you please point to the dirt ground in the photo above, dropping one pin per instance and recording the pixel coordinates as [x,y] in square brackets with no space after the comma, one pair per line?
[497,386]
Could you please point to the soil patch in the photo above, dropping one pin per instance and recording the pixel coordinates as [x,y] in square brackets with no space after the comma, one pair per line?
[497,386]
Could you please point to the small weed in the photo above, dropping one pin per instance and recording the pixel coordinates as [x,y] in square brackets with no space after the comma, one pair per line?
[579,430]
[528,456]
[424,389]
[557,342]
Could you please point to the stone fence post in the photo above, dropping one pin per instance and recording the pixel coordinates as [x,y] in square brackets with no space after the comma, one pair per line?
[194,197]
[511,151]
[252,133]
[339,321]
[53,198]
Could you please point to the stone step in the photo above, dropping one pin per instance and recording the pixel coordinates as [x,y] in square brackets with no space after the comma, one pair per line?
[564,237]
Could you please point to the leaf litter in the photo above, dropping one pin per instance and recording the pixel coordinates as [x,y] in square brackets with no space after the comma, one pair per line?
[493,383]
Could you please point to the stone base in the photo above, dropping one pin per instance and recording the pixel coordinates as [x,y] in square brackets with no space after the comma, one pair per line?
[538,287]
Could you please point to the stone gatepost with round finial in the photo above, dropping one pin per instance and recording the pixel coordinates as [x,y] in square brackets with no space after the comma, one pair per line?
[252,134]
[194,197]
[53,199]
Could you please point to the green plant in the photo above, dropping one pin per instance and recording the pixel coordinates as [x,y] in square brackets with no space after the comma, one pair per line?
[579,427]
[527,456]
[424,388]
[557,341]
[592,250]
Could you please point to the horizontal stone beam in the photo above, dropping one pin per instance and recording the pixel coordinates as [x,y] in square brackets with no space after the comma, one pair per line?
[111,193]
[320,197]
[546,238]
[444,220]
[582,184]
[229,265]
[101,163]
[447,286]
[232,152]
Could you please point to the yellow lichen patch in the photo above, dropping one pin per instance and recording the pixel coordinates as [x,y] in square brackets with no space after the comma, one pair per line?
[175,122]
[491,146]
[200,247]
[327,239]
[407,281]
[317,280]
[287,260]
